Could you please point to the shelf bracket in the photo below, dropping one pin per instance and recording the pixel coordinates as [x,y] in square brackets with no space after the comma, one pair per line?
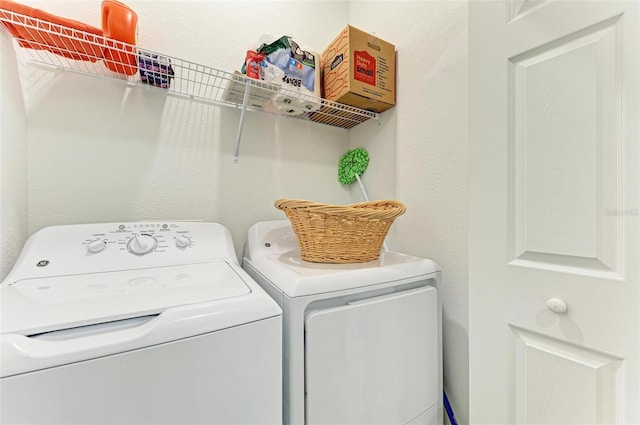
[245,100]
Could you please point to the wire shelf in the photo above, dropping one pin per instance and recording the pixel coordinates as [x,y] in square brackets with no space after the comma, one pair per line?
[91,53]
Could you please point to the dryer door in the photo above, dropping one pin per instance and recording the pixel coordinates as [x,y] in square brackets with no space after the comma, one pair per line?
[373,361]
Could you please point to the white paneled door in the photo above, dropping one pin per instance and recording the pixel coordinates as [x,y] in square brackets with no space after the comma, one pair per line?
[554,320]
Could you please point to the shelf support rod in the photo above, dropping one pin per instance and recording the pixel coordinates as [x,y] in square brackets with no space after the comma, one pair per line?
[245,100]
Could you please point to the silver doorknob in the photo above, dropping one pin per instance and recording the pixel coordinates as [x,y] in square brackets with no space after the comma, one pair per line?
[557,305]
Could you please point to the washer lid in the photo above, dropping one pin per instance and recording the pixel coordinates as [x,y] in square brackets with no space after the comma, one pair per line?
[32,306]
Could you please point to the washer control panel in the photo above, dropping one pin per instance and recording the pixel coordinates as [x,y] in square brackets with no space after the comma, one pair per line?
[142,238]
[91,248]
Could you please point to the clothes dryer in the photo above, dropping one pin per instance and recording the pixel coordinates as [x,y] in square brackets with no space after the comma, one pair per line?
[141,323]
[362,342]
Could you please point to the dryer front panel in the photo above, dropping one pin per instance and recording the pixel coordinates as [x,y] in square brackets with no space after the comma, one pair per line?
[373,361]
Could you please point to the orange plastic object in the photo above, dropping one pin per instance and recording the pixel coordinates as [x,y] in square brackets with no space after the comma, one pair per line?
[66,37]
[119,24]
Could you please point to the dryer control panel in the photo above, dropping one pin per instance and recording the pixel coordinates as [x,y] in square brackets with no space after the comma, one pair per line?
[95,248]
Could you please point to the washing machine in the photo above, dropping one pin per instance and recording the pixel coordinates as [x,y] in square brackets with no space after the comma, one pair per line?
[137,323]
[361,342]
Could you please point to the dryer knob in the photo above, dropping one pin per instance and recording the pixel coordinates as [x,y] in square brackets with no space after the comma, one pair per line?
[142,244]
[183,241]
[96,246]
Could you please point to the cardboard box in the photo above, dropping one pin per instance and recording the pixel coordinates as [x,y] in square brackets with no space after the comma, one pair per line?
[359,70]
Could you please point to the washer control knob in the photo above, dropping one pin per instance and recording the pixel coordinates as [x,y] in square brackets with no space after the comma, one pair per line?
[183,241]
[142,244]
[96,246]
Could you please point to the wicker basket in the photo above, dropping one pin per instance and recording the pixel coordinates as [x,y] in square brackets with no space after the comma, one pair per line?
[340,234]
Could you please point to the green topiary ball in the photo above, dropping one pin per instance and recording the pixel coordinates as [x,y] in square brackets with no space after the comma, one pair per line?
[353,162]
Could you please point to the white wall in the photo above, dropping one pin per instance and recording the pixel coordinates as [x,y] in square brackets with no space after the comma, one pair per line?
[419,155]
[100,152]
[13,159]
